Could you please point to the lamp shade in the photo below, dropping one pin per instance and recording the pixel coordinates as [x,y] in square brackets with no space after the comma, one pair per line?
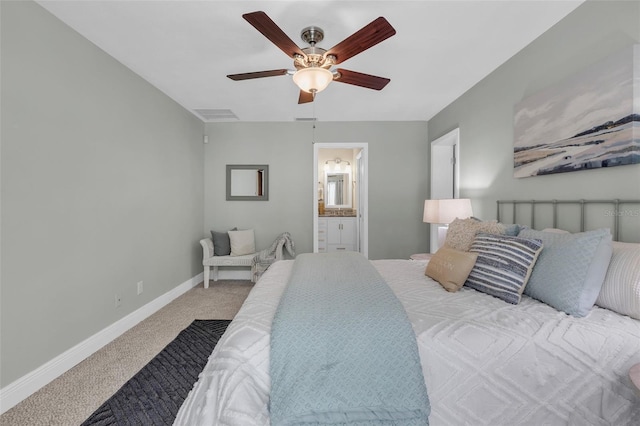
[445,211]
[313,79]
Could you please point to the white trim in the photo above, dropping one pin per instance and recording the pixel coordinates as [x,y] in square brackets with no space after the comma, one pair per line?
[364,206]
[22,388]
[452,138]
[314,191]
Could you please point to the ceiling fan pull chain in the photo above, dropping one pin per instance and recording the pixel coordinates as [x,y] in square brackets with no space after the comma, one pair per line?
[314,122]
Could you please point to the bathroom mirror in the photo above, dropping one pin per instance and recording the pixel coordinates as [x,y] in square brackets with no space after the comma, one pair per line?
[247,182]
[337,191]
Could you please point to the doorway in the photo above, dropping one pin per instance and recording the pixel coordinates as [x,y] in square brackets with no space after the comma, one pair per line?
[351,161]
[445,174]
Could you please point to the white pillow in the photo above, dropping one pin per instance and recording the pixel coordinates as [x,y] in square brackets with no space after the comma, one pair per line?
[242,242]
[620,291]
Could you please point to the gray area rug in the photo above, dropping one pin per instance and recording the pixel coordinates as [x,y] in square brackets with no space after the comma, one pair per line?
[154,395]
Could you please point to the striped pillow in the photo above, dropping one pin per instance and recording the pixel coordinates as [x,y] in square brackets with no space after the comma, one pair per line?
[503,266]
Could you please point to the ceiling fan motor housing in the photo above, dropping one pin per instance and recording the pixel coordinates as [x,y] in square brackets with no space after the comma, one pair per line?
[312,35]
[314,56]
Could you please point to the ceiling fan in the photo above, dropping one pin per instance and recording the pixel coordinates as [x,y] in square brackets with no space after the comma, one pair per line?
[313,64]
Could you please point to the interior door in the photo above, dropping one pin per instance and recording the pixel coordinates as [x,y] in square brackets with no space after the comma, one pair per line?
[444,174]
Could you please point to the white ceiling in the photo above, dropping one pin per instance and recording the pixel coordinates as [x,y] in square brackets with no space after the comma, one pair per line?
[186,49]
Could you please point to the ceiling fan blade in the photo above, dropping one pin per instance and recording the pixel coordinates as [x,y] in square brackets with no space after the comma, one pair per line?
[257,74]
[362,80]
[270,30]
[305,97]
[370,35]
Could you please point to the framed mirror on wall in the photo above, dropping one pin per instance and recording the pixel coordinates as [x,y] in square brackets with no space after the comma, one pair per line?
[247,182]
[337,189]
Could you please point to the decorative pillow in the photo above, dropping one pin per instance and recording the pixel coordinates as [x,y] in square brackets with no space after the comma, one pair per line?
[620,291]
[503,266]
[462,232]
[571,269]
[221,243]
[513,230]
[450,267]
[556,230]
[242,242]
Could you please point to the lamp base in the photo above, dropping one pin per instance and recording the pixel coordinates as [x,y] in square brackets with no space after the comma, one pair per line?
[442,235]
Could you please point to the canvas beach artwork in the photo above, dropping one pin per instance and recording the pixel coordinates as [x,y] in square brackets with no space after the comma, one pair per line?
[590,120]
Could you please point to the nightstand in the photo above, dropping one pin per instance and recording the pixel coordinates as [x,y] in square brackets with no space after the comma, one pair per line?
[421,256]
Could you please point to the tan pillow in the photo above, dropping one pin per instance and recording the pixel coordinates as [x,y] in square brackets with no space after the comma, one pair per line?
[462,232]
[242,242]
[451,267]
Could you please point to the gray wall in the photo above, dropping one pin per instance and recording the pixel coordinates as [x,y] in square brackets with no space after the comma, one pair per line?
[485,113]
[101,187]
[398,181]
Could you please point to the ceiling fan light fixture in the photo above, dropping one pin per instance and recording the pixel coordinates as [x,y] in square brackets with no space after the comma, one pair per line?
[312,79]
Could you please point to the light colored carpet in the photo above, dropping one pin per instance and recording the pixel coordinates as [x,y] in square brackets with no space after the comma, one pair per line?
[73,397]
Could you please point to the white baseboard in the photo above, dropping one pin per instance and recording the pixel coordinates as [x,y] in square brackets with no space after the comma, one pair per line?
[20,389]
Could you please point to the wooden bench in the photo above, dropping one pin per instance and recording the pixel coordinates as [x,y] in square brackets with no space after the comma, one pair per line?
[211,261]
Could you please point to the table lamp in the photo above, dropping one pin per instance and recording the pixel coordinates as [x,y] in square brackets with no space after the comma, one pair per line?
[443,212]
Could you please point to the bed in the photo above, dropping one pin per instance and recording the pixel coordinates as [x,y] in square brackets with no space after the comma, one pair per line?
[484,361]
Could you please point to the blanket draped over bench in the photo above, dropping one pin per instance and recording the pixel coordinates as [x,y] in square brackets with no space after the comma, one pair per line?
[261,262]
[343,349]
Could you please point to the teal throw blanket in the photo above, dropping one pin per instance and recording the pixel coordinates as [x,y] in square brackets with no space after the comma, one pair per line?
[343,351]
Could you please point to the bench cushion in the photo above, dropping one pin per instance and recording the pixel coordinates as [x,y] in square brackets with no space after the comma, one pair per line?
[229,260]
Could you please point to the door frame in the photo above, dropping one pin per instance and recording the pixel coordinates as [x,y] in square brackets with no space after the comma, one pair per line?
[361,171]
[451,138]
[363,203]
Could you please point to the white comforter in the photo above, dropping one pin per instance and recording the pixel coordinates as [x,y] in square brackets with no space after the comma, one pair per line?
[485,362]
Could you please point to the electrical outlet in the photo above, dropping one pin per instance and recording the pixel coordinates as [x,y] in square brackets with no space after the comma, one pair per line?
[118,301]
[140,288]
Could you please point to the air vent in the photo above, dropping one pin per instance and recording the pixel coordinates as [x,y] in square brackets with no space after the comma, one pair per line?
[216,114]
[306,119]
